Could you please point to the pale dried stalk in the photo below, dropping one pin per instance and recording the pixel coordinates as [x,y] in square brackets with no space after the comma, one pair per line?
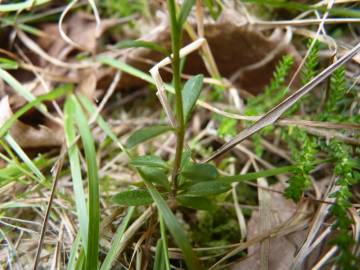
[264,198]
[56,172]
[162,95]
[320,29]
[325,258]
[155,74]
[239,213]
[274,114]
[39,51]
[65,37]
[314,228]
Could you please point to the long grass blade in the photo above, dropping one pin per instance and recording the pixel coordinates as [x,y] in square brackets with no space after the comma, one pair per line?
[101,122]
[73,251]
[93,186]
[73,154]
[22,155]
[22,5]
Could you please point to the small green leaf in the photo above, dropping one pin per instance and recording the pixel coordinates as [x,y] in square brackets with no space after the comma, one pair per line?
[6,63]
[207,188]
[133,197]
[199,203]
[156,176]
[191,93]
[185,11]
[149,161]
[200,172]
[141,44]
[145,134]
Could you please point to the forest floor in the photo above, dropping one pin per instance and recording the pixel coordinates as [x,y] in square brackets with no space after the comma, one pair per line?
[145,134]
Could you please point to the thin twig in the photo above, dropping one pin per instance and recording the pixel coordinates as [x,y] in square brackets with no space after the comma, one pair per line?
[57,170]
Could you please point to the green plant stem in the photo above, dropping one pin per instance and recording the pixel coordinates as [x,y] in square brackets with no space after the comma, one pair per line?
[180,129]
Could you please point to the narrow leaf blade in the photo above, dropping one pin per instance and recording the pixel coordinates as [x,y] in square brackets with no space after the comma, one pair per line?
[185,11]
[145,134]
[93,183]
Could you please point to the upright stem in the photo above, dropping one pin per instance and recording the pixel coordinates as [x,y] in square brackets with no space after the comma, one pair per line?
[180,129]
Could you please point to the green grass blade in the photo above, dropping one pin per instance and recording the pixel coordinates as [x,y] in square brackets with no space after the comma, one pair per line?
[185,11]
[164,243]
[174,227]
[22,155]
[18,88]
[93,186]
[6,63]
[73,154]
[101,122]
[56,93]
[113,251]
[22,5]
[159,256]
[73,252]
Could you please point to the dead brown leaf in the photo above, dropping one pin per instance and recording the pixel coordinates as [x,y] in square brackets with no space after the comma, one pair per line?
[282,249]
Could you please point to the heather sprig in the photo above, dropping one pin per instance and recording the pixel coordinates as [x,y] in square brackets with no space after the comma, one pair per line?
[303,149]
[346,176]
